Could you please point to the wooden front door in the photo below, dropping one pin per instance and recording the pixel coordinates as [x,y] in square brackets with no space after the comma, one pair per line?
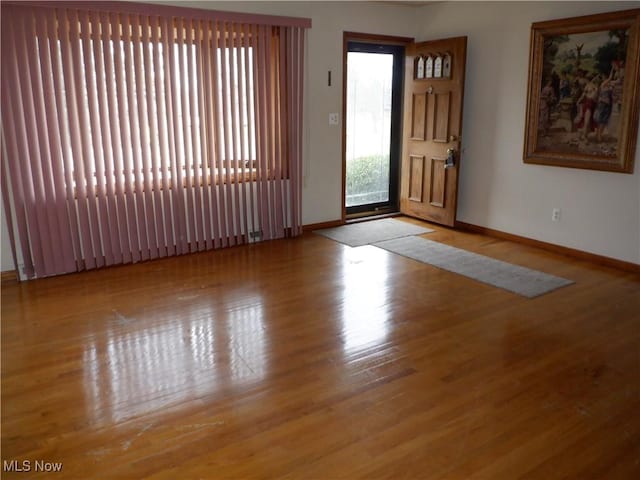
[432,128]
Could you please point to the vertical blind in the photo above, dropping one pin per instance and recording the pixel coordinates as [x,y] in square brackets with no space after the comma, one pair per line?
[134,135]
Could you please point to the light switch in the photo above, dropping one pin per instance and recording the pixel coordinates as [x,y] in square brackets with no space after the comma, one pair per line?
[333,119]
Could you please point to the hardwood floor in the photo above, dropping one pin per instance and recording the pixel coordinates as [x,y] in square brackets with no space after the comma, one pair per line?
[305,359]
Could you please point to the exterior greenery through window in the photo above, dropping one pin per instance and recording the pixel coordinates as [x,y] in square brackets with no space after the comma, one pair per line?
[367,179]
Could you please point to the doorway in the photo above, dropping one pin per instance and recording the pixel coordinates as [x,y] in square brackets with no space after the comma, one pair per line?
[373,121]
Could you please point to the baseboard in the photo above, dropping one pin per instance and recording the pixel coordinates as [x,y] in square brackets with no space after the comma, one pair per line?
[317,226]
[8,277]
[551,247]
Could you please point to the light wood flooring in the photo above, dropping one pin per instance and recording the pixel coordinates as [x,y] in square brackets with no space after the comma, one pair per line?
[307,359]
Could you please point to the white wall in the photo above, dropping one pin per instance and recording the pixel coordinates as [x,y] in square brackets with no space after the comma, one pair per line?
[322,190]
[600,210]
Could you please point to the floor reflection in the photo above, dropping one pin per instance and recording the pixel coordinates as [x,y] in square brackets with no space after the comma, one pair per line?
[365,315]
[129,373]
[245,329]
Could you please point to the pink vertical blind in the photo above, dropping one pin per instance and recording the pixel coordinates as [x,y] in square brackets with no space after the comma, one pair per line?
[131,135]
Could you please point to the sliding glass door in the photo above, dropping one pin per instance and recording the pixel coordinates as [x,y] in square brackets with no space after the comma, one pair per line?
[373,121]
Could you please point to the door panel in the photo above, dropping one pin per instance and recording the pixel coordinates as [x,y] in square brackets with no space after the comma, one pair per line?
[432,128]
[441,117]
[438,182]
[416,180]
[419,117]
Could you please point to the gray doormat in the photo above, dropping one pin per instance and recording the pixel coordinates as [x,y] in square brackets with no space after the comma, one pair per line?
[365,233]
[516,279]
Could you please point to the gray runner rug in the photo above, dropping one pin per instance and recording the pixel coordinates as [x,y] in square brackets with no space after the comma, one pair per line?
[516,279]
[365,233]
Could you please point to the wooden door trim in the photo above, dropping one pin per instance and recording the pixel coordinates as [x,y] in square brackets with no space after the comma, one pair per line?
[375,38]
[364,38]
[460,147]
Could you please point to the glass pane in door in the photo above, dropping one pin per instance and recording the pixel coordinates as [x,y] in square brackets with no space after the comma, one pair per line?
[369,102]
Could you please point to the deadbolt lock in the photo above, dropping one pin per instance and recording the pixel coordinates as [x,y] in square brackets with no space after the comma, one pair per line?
[451,158]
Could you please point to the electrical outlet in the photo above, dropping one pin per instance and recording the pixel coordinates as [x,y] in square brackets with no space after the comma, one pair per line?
[333,119]
[555,215]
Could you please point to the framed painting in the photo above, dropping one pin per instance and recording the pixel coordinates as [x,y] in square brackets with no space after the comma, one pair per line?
[583,92]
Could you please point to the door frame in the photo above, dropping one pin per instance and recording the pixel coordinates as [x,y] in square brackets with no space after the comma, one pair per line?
[363,38]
